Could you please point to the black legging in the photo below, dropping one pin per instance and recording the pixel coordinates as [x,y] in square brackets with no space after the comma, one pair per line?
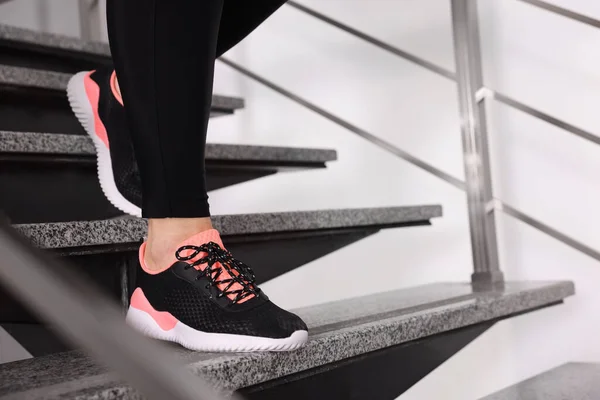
[164,53]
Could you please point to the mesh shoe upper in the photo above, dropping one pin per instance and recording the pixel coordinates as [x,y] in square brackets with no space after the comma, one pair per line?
[188,299]
[124,164]
[212,292]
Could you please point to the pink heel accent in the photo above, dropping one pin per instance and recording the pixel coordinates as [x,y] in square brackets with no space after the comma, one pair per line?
[93,93]
[164,319]
[113,87]
[141,255]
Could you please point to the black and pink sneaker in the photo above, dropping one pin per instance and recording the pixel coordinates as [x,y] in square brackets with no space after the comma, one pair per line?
[206,300]
[99,107]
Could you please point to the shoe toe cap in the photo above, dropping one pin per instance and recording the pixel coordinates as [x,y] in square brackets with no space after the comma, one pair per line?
[291,323]
[279,323]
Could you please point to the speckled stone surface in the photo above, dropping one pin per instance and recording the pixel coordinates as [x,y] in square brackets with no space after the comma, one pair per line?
[19,76]
[28,77]
[573,381]
[25,36]
[234,152]
[130,230]
[45,143]
[338,330]
[52,143]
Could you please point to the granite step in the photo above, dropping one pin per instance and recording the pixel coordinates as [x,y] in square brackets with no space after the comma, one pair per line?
[65,236]
[341,333]
[54,164]
[33,49]
[272,243]
[33,100]
[572,381]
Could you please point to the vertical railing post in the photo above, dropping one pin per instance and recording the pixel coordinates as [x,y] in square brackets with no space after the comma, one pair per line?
[471,93]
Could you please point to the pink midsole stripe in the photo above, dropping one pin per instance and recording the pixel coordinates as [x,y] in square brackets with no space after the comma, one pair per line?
[113,87]
[93,93]
[165,320]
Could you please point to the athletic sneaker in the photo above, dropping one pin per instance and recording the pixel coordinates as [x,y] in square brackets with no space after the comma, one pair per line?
[99,108]
[208,301]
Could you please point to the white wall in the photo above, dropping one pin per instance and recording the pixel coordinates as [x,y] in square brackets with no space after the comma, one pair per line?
[56,16]
[543,60]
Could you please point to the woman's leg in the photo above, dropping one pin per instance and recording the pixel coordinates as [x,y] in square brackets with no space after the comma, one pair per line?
[189,290]
[164,54]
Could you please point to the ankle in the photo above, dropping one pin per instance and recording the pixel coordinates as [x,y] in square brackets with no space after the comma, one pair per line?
[165,234]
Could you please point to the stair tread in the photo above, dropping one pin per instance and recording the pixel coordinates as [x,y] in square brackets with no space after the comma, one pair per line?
[337,331]
[62,144]
[55,235]
[49,40]
[573,381]
[50,80]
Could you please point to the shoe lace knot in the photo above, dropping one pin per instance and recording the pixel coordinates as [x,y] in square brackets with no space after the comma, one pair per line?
[231,277]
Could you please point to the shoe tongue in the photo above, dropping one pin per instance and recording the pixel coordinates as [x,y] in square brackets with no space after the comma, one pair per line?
[201,238]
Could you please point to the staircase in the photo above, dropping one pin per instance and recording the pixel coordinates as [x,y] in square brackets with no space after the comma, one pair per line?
[373,347]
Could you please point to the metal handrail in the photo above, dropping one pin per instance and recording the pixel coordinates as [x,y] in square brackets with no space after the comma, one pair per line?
[83,315]
[487,93]
[452,180]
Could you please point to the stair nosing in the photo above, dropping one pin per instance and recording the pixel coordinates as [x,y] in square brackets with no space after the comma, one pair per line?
[243,370]
[62,235]
[64,144]
[57,81]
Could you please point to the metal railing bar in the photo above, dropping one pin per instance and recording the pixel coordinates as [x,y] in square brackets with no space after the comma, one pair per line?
[564,12]
[370,39]
[352,128]
[561,237]
[413,160]
[84,316]
[451,75]
[546,117]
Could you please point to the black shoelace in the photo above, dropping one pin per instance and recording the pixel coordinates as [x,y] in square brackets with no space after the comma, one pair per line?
[217,260]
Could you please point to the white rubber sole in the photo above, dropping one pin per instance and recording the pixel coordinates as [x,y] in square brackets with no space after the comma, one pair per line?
[80,104]
[203,341]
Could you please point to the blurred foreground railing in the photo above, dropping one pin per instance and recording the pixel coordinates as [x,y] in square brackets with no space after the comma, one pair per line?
[85,317]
